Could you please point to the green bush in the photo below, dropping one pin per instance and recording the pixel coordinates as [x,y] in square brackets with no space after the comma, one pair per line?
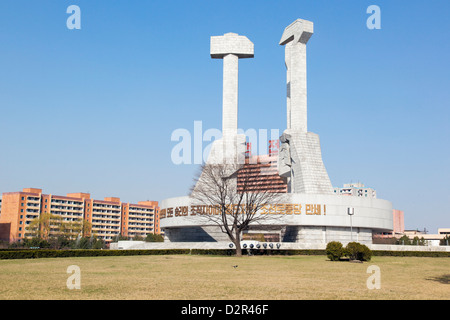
[154,238]
[36,243]
[49,253]
[386,253]
[358,251]
[334,250]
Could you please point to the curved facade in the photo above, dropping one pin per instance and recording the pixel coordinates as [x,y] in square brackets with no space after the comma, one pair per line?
[308,218]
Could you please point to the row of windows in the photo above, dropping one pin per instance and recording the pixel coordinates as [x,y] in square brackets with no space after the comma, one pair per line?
[141,209]
[66,202]
[93,210]
[100,205]
[65,208]
[31,198]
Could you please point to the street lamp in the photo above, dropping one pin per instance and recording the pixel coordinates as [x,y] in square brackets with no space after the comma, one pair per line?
[351,212]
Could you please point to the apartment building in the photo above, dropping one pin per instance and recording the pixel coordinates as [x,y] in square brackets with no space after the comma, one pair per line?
[79,214]
[139,219]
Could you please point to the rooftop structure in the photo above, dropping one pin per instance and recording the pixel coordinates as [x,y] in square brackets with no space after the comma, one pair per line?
[356,190]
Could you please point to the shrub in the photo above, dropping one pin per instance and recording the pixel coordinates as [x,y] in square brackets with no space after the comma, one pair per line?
[154,238]
[36,243]
[358,251]
[334,250]
[404,240]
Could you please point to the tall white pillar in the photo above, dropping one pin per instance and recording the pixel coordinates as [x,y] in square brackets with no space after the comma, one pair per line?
[298,91]
[230,95]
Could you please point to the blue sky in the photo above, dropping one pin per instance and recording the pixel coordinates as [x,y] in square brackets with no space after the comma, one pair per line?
[93,110]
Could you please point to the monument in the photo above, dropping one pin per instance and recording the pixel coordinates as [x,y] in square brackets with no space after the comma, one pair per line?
[300,152]
[310,212]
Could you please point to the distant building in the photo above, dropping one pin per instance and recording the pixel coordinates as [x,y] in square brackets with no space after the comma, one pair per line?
[107,218]
[260,173]
[399,222]
[357,190]
[398,226]
[431,239]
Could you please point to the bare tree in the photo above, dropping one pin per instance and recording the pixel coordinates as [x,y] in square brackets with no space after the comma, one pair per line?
[49,225]
[235,196]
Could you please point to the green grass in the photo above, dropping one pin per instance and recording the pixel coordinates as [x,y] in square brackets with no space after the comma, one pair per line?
[192,277]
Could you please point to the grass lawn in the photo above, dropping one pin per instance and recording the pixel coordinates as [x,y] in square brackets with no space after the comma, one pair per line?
[183,277]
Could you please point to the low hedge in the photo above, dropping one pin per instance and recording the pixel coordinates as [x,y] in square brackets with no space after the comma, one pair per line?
[49,253]
[386,253]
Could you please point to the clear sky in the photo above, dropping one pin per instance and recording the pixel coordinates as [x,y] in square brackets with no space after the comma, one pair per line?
[93,110]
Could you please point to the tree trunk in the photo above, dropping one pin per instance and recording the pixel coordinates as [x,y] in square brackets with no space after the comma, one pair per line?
[237,243]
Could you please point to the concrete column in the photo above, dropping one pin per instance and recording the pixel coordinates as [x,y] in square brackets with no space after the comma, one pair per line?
[287,60]
[230,95]
[298,90]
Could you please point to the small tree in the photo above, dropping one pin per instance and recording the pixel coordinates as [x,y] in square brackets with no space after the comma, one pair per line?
[418,241]
[119,237]
[36,242]
[358,251]
[154,238]
[404,240]
[334,250]
[84,243]
[138,238]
